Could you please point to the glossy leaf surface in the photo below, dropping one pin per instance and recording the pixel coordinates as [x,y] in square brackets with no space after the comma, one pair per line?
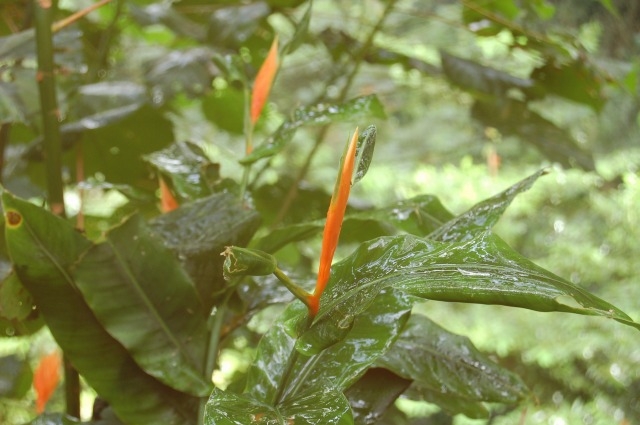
[373,394]
[138,291]
[199,231]
[359,107]
[483,270]
[43,247]
[449,366]
[320,406]
[483,215]
[186,167]
[420,216]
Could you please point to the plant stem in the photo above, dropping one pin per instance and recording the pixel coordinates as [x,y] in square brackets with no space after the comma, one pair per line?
[216,320]
[248,134]
[359,57]
[43,13]
[295,289]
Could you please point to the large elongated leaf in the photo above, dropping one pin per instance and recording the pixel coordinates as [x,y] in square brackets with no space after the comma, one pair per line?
[483,270]
[199,231]
[319,406]
[448,366]
[43,248]
[420,216]
[138,291]
[360,107]
[483,215]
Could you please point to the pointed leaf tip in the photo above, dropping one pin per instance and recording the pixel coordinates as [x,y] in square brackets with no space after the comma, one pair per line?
[264,81]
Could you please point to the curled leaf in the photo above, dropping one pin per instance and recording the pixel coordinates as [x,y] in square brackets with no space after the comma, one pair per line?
[247,262]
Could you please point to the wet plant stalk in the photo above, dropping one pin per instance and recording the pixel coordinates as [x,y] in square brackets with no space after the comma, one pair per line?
[43,14]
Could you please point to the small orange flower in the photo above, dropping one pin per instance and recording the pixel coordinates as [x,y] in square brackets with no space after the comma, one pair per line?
[46,379]
[167,201]
[333,225]
[264,81]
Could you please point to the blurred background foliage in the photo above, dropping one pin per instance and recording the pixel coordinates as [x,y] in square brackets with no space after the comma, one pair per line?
[478,94]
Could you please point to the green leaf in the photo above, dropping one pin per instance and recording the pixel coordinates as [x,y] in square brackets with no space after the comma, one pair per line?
[191,173]
[364,153]
[449,403]
[483,270]
[420,216]
[199,231]
[301,32]
[43,247]
[272,355]
[449,366]
[140,294]
[321,114]
[479,79]
[247,262]
[319,406]
[484,215]
[15,301]
[15,377]
[373,394]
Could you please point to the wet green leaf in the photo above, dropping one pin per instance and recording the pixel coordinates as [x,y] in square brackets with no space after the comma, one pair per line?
[191,173]
[15,301]
[448,402]
[483,270]
[484,215]
[43,248]
[373,394]
[272,355]
[420,216]
[199,231]
[449,366]
[364,153]
[319,406]
[357,108]
[140,294]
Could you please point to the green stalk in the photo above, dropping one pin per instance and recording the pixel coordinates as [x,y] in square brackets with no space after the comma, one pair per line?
[216,320]
[248,134]
[43,14]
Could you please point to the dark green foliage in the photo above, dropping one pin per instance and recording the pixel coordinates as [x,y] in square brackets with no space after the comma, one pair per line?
[146,308]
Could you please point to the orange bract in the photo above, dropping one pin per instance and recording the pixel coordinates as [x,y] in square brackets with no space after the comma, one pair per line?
[264,81]
[167,201]
[333,225]
[46,379]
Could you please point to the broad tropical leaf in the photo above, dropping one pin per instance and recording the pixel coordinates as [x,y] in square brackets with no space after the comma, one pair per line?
[448,366]
[43,247]
[483,270]
[322,405]
[138,291]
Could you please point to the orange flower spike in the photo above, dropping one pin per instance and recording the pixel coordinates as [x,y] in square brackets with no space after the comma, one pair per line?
[46,379]
[167,201]
[333,225]
[264,81]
